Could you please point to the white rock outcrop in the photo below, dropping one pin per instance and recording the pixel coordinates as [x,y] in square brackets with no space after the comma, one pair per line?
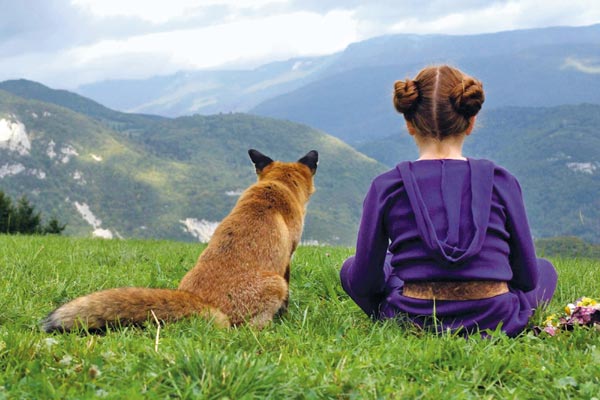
[583,167]
[67,152]
[11,169]
[90,218]
[13,136]
[200,229]
[50,151]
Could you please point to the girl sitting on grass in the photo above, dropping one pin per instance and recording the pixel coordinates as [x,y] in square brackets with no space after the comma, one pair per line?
[444,240]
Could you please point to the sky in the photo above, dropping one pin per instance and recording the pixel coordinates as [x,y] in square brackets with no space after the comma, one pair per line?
[67,43]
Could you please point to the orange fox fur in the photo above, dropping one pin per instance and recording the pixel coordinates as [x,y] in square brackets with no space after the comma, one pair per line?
[241,277]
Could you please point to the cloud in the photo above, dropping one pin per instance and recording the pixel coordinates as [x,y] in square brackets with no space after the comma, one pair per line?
[43,30]
[248,42]
[160,12]
[393,16]
[474,16]
[585,66]
[29,24]
[241,40]
[69,42]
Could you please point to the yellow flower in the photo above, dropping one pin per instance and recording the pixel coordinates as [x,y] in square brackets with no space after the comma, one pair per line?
[586,301]
[569,308]
[550,320]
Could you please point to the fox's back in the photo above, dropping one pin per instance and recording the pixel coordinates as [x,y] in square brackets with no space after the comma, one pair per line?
[257,237]
[243,274]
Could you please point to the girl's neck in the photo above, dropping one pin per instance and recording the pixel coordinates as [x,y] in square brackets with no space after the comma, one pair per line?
[433,149]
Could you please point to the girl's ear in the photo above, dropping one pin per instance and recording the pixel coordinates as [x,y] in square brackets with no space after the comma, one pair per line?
[471,125]
[311,160]
[411,129]
[259,159]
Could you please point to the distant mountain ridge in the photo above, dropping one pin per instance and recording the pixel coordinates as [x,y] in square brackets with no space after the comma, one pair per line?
[347,94]
[206,92]
[402,49]
[352,99]
[553,151]
[132,175]
[540,118]
[113,174]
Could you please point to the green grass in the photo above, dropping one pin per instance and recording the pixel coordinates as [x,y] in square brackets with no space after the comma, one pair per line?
[323,348]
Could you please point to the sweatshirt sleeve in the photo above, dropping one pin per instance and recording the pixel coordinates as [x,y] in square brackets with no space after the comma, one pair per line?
[364,278]
[522,256]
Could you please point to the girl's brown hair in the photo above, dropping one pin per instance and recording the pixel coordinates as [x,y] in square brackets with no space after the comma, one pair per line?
[440,101]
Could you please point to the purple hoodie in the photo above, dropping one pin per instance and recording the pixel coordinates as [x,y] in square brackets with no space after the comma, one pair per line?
[447,220]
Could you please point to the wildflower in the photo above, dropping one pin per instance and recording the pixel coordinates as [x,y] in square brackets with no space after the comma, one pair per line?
[584,312]
[550,330]
[586,301]
[569,308]
[50,342]
[66,360]
[550,320]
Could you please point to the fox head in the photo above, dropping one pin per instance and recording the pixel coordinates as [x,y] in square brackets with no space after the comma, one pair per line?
[294,173]
[311,160]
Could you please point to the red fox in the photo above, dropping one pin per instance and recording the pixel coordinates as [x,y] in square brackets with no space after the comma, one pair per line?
[241,277]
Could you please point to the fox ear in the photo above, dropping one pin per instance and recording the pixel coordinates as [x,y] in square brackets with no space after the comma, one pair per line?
[311,160]
[259,159]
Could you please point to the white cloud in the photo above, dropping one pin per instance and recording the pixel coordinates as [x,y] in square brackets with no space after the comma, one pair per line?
[242,40]
[71,42]
[245,42]
[501,16]
[153,11]
[157,11]
[585,66]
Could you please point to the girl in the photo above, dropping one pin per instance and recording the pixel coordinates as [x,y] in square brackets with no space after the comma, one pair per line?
[446,237]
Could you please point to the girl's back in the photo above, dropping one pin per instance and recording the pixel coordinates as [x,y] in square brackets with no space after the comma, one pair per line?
[446,233]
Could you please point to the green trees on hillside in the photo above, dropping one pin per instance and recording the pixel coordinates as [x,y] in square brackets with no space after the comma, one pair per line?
[22,218]
[569,246]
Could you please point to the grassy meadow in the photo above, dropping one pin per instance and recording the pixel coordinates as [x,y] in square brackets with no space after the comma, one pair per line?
[323,348]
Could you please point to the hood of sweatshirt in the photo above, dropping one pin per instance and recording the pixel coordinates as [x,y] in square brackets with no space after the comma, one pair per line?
[463,238]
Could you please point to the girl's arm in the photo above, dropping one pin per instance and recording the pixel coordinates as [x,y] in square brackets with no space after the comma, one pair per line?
[364,277]
[522,256]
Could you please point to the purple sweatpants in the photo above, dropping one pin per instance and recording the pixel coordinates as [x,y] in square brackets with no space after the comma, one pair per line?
[512,309]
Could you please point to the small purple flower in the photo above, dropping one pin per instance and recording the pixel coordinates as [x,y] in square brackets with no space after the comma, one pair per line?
[584,312]
[581,315]
[550,330]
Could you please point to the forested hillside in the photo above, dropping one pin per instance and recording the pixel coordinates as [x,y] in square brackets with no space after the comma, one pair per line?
[554,151]
[116,174]
[353,99]
[119,174]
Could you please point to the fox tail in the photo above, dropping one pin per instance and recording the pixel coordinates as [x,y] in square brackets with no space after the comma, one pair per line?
[129,306]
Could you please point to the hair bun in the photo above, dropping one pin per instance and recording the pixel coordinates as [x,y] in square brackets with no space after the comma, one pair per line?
[467,97]
[406,95]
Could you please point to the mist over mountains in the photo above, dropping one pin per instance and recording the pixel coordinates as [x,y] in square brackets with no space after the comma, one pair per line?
[348,94]
[539,67]
[206,92]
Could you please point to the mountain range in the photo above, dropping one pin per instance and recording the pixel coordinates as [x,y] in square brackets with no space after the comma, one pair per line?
[348,94]
[553,151]
[175,175]
[206,92]
[532,68]
[113,174]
